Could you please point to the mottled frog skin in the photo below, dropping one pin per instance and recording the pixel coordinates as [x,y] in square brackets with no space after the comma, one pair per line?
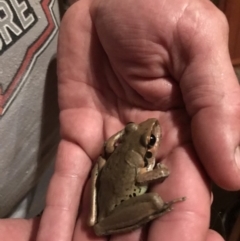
[120,177]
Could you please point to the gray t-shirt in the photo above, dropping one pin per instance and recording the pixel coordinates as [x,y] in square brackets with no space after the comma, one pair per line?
[29,127]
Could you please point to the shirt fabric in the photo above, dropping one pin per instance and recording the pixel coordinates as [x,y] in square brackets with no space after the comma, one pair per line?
[29,127]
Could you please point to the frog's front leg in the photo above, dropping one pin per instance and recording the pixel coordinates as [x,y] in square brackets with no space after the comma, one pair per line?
[133,213]
[160,173]
[112,142]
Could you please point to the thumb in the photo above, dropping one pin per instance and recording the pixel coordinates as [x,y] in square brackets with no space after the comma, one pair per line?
[212,96]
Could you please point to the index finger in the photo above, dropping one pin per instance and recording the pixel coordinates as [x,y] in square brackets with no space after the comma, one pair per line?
[63,197]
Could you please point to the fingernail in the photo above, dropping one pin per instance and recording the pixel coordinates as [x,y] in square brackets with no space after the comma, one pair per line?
[237,156]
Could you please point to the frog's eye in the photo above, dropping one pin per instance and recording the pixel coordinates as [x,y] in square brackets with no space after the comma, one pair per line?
[152,141]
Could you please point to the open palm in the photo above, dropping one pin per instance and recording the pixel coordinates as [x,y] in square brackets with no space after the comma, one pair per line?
[122,61]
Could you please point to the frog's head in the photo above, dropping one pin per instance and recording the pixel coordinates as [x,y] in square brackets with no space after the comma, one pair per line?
[145,138]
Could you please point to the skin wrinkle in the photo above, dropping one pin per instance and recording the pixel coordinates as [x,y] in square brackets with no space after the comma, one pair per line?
[58,207]
[201,94]
[133,84]
[121,81]
[94,102]
[201,24]
[71,139]
[191,215]
[144,52]
[148,42]
[82,82]
[121,117]
[197,94]
[72,176]
[77,109]
[127,86]
[167,97]
[129,91]
[181,24]
[113,86]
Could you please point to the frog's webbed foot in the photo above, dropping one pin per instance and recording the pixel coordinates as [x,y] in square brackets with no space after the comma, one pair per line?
[133,213]
[168,206]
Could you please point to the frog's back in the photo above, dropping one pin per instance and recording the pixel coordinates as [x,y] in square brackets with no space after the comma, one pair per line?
[117,184]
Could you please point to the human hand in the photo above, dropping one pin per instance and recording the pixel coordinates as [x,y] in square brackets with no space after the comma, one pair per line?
[122,61]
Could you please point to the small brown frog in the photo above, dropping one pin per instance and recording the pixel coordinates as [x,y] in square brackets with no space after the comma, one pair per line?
[120,178]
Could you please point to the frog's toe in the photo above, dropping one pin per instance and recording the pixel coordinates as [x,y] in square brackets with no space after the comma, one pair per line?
[98,230]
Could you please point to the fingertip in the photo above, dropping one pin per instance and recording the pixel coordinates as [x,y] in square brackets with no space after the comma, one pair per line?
[229,182]
[213,236]
[227,175]
[216,140]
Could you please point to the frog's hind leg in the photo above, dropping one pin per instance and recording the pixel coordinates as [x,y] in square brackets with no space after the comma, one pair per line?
[166,208]
[133,213]
[94,175]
